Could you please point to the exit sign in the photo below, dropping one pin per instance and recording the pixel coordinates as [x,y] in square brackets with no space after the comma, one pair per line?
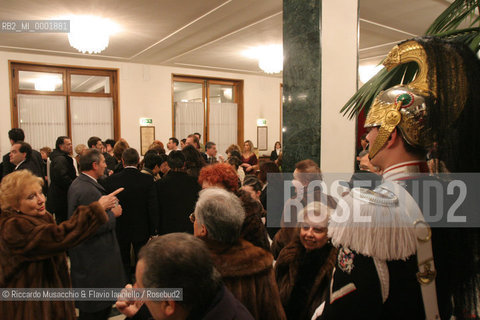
[261,122]
[146,121]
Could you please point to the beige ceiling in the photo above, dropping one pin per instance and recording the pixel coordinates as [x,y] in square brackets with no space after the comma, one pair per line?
[207,34]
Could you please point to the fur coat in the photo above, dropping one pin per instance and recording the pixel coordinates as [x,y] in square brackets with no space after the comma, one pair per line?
[247,272]
[287,267]
[32,255]
[253,229]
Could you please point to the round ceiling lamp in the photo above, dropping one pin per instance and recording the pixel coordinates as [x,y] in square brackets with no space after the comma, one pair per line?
[270,58]
[90,34]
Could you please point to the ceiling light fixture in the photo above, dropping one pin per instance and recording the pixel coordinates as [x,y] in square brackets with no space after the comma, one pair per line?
[270,58]
[90,34]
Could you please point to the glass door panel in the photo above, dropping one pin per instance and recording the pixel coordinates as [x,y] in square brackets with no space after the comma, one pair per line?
[189,108]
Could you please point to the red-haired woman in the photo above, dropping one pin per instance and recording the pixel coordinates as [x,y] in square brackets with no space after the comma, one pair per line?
[223,175]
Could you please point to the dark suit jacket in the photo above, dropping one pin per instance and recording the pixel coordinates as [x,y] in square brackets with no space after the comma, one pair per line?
[273,155]
[62,174]
[223,307]
[139,219]
[210,160]
[177,196]
[36,165]
[96,262]
[29,165]
[7,166]
[110,161]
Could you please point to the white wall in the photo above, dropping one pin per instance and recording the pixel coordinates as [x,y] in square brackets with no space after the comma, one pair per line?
[145,92]
[339,83]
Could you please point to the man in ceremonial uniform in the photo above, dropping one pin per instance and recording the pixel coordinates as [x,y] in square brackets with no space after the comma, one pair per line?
[396,264]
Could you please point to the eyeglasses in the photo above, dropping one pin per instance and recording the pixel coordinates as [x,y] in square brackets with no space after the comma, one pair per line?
[192,217]
[306,227]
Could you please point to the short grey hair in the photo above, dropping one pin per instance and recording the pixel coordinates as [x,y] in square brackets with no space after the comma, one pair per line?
[222,214]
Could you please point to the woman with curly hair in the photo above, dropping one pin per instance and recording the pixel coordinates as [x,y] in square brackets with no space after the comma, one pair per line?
[222,175]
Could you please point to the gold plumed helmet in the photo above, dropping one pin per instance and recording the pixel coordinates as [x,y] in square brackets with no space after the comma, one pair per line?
[406,106]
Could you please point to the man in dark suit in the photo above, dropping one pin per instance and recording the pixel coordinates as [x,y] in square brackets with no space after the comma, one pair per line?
[96,262]
[96,143]
[177,195]
[139,220]
[21,158]
[17,135]
[62,174]
[210,152]
[194,272]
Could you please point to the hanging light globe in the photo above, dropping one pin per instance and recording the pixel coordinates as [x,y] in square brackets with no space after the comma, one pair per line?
[90,34]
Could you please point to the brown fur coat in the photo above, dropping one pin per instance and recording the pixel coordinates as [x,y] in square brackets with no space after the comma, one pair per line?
[253,229]
[286,274]
[32,255]
[248,273]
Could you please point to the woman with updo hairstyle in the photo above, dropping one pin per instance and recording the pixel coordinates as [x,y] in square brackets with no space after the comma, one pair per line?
[32,245]
[304,267]
[253,186]
[223,175]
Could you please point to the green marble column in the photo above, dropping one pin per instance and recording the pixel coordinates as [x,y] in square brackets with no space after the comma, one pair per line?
[301,82]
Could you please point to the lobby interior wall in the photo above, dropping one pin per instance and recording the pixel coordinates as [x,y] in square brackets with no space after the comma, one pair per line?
[145,92]
[339,83]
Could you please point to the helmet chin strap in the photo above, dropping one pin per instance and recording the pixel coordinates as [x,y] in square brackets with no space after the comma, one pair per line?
[390,122]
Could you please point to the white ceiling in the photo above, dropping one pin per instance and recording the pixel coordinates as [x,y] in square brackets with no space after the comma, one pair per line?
[206,34]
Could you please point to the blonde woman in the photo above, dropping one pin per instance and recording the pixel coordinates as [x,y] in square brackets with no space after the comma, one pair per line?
[249,159]
[32,245]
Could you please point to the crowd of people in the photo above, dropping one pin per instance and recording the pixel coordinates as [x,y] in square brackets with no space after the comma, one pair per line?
[102,206]
[187,218]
